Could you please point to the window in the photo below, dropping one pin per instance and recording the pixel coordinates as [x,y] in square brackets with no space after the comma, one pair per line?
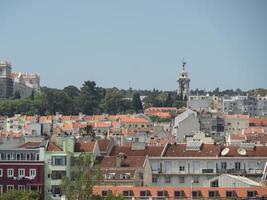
[127,193]
[106,193]
[10,173]
[214,183]
[125,176]
[182,168]
[10,188]
[56,175]
[143,193]
[179,194]
[1,172]
[230,193]
[167,179]
[21,187]
[195,179]
[18,156]
[154,179]
[181,179]
[33,172]
[196,194]
[28,156]
[21,172]
[237,166]
[252,193]
[213,194]
[161,193]
[59,160]
[223,165]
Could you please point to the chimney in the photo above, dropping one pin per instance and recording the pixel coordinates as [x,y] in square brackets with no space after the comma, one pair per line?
[119,159]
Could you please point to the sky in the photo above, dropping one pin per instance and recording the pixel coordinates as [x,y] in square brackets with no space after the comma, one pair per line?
[136,43]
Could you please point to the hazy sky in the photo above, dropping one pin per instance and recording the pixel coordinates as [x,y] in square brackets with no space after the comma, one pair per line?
[139,41]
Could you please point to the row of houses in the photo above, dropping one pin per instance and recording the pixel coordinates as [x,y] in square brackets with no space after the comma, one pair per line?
[41,166]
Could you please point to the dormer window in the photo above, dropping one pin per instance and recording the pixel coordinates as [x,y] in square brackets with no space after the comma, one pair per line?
[110,176]
[125,176]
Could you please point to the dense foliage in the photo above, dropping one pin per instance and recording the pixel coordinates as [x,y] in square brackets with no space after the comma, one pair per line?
[89,99]
[22,195]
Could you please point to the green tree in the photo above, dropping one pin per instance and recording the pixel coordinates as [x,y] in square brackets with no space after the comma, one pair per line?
[114,102]
[90,98]
[137,103]
[85,176]
[21,195]
[17,95]
[88,130]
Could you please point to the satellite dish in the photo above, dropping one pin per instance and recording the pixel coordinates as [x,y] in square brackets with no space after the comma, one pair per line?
[225,152]
[241,151]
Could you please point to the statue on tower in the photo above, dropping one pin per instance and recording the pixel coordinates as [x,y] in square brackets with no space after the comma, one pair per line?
[183,83]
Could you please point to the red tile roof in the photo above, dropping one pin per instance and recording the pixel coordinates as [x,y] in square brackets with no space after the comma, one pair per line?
[258,151]
[85,146]
[103,144]
[150,151]
[30,145]
[128,162]
[53,147]
[179,150]
[258,121]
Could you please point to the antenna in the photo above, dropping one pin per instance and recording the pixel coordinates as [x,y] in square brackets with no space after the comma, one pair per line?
[184,63]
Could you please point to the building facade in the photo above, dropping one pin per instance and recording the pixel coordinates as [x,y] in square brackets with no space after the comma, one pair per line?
[22,168]
[6,83]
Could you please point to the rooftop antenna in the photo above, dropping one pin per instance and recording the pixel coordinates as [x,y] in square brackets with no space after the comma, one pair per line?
[184,63]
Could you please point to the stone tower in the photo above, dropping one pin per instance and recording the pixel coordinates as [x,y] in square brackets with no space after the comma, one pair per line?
[183,83]
[6,83]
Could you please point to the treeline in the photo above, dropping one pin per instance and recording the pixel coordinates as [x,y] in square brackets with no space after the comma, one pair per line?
[89,99]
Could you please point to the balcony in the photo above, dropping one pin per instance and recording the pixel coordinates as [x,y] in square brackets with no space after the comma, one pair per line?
[231,171]
[207,171]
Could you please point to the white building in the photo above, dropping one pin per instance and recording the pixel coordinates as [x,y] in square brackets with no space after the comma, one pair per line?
[186,124]
[25,83]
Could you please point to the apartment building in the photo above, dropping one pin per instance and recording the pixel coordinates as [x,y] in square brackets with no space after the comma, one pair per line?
[59,159]
[235,123]
[251,105]
[22,168]
[195,163]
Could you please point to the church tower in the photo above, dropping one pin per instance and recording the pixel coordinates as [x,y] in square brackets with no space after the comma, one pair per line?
[6,83]
[183,83]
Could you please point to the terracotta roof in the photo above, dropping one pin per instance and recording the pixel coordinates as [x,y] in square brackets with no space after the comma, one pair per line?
[237,137]
[258,151]
[160,114]
[132,119]
[85,146]
[53,147]
[179,150]
[257,138]
[129,161]
[258,121]
[150,151]
[253,130]
[31,145]
[103,144]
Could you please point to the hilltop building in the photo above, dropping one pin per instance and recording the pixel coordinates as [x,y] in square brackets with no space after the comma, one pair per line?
[6,84]
[13,82]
